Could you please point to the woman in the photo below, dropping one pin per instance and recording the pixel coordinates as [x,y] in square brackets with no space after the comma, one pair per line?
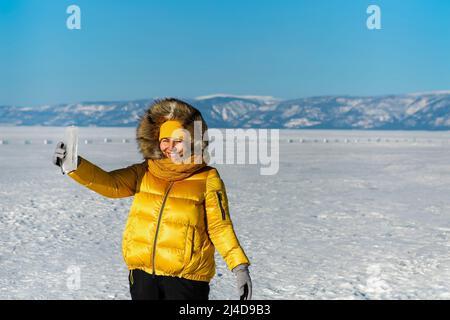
[180,212]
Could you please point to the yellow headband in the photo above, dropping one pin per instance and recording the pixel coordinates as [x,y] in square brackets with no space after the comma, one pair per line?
[170,129]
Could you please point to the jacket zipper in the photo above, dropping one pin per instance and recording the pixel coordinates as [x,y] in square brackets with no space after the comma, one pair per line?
[219,198]
[157,227]
[131,278]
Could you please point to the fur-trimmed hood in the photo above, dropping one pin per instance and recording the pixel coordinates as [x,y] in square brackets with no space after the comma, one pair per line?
[147,133]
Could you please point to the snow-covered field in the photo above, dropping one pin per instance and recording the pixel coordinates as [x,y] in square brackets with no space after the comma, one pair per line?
[350,215]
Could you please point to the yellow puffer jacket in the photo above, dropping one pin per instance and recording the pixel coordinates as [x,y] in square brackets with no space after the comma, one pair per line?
[173,228]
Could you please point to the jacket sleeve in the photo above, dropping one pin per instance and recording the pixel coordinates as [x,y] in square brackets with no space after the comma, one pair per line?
[220,226]
[119,183]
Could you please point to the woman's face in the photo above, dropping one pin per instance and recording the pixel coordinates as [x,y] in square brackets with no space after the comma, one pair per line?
[171,148]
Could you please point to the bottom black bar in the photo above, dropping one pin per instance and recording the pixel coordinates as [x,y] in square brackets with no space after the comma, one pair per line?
[217,309]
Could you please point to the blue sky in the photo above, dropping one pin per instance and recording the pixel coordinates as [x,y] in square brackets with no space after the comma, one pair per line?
[288,49]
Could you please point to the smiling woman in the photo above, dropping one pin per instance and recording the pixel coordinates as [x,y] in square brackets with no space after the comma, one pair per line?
[172,136]
[180,212]
[172,148]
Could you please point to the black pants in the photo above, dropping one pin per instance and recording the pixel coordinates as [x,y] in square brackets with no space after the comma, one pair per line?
[144,286]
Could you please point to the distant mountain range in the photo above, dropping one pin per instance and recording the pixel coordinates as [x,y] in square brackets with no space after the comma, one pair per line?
[418,111]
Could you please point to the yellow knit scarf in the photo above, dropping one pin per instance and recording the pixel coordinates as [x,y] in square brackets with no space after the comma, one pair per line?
[168,170]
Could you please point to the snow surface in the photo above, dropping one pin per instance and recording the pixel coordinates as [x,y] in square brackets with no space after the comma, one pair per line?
[365,215]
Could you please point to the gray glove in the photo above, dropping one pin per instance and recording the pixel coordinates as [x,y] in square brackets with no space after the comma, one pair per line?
[244,282]
[60,155]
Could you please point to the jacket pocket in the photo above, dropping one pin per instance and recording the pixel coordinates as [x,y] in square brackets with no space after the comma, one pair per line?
[189,247]
[219,200]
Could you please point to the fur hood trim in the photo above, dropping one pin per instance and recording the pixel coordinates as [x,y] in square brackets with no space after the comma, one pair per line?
[147,133]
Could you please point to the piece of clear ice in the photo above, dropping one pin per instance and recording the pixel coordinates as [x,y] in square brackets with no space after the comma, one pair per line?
[71,140]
